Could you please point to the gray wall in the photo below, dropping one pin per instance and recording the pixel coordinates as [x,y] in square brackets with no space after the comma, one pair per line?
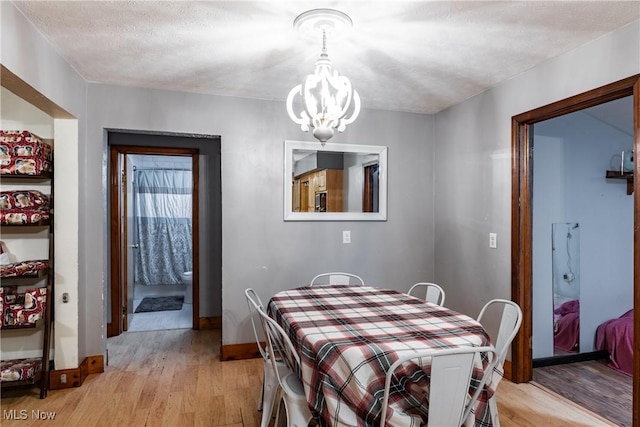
[473,163]
[260,249]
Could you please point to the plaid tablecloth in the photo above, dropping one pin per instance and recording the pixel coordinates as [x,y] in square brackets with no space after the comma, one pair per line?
[347,337]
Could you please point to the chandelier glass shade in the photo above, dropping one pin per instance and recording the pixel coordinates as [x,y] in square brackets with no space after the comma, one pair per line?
[327,99]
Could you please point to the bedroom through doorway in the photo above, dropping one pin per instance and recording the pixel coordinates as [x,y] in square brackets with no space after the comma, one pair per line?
[599,241]
[581,240]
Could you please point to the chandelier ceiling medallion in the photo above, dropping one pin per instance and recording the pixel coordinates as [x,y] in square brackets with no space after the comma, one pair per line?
[328,100]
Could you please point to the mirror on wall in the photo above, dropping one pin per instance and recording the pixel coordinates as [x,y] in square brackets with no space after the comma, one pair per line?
[334,182]
[565,264]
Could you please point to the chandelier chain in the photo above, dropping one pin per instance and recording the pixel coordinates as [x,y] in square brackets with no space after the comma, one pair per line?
[324,41]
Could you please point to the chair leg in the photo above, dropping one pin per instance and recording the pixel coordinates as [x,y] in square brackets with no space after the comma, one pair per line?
[281,413]
[261,395]
[293,417]
[493,409]
[297,420]
[269,391]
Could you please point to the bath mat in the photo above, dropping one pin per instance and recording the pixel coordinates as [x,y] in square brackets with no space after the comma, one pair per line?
[149,304]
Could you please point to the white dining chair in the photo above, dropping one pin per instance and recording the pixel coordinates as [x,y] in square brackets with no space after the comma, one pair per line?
[270,385]
[450,378]
[510,319]
[432,292]
[337,278]
[293,399]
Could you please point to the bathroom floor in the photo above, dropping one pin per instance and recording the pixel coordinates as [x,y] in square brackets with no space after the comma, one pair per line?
[158,320]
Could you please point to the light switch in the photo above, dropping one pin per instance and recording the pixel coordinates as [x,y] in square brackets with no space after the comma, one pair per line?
[493,240]
[346,236]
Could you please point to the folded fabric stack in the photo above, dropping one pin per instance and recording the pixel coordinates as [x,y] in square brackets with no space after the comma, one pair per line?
[23,207]
[19,269]
[31,267]
[23,153]
[22,309]
[20,369]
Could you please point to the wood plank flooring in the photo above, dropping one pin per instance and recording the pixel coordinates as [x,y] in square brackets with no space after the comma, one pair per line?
[175,378]
[593,385]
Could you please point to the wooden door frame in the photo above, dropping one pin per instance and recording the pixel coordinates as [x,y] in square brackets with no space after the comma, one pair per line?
[522,214]
[116,327]
[367,192]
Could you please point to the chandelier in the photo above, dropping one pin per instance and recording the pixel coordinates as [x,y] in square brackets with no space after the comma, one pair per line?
[328,100]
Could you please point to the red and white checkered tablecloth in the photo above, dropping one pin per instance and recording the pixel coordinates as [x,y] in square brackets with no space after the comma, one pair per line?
[347,337]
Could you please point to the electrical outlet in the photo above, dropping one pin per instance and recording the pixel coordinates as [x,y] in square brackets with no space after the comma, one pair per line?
[346,236]
[63,378]
[493,240]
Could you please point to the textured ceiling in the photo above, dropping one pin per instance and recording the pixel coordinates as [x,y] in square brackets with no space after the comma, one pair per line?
[414,56]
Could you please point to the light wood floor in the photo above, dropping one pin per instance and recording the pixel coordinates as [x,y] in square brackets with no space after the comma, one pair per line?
[175,378]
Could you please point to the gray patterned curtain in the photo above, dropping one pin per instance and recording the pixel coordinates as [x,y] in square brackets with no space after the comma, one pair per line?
[163,220]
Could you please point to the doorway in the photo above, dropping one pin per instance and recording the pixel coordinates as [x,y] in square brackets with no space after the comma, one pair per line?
[129,269]
[205,153]
[371,187]
[522,218]
[159,242]
[581,226]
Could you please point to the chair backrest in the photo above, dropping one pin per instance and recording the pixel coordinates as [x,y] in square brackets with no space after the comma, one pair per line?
[432,292]
[255,305]
[450,379]
[279,346]
[510,321]
[337,278]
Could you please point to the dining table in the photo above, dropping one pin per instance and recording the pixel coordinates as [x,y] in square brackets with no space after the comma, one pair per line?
[347,337]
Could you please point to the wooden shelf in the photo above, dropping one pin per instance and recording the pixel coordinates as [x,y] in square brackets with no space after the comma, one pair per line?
[37,377]
[41,223]
[627,176]
[14,327]
[36,275]
[29,101]
[29,382]
[41,377]
[46,175]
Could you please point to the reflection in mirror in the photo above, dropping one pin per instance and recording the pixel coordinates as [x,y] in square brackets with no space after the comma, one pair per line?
[565,264]
[334,182]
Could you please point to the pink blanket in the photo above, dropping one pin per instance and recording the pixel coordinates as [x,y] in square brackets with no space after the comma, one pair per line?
[616,336]
[567,326]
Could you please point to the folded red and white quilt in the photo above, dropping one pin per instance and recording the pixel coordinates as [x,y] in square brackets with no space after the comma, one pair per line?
[20,369]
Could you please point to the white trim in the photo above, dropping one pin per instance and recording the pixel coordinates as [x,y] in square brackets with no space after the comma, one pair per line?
[381,151]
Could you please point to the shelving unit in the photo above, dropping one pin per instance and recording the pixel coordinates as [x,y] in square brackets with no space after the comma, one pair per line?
[627,176]
[27,285]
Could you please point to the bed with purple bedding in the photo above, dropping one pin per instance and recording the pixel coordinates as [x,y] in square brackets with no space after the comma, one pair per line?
[566,326]
[616,337]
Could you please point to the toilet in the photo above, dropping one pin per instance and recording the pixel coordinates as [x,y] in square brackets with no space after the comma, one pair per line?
[187,280]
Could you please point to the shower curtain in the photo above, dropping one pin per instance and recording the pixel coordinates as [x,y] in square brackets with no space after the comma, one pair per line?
[163,222]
